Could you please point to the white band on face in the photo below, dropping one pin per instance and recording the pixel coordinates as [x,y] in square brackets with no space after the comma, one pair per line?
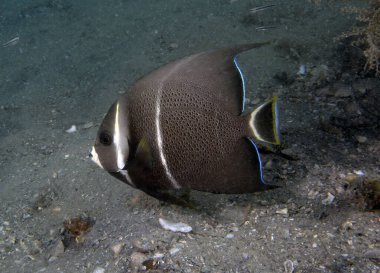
[118,141]
[95,157]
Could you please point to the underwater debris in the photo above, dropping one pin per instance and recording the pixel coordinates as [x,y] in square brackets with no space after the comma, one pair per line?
[75,228]
[72,129]
[302,70]
[143,245]
[252,18]
[321,75]
[363,191]
[57,250]
[289,266]
[367,37]
[88,125]
[175,227]
[150,264]
[12,42]
[256,9]
[329,199]
[283,211]
[137,260]
[99,269]
[44,199]
[372,254]
[263,28]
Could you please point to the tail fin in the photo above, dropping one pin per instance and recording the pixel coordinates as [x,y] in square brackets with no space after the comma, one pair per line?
[263,122]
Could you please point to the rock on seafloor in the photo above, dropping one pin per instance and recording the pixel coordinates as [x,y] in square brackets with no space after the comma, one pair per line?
[137,260]
[99,269]
[117,248]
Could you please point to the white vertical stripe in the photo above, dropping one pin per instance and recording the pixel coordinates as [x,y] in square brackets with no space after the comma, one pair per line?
[117,141]
[119,149]
[160,139]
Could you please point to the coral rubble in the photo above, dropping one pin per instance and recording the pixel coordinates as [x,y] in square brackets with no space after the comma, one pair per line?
[368,35]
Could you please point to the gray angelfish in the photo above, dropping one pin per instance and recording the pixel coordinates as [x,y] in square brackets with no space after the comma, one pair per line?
[183,126]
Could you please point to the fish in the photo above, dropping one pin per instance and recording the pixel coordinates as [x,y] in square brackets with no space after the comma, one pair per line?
[184,127]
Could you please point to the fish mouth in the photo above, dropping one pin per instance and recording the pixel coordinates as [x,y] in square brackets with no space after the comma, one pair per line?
[123,175]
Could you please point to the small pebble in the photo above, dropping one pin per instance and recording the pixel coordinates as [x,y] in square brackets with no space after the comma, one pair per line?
[312,194]
[174,251]
[352,178]
[282,211]
[245,256]
[137,259]
[173,46]
[352,108]
[269,165]
[373,254]
[342,91]
[72,129]
[347,225]
[230,236]
[116,249]
[285,233]
[361,139]
[88,125]
[176,248]
[26,216]
[99,269]
[158,255]
[142,246]
[234,229]
[302,70]
[329,199]
[289,267]
[289,152]
[58,249]
[56,210]
[359,172]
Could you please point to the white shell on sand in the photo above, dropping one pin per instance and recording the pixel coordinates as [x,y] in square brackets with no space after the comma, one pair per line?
[72,129]
[176,227]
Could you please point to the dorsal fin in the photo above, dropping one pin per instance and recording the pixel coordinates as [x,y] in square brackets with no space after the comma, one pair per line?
[216,72]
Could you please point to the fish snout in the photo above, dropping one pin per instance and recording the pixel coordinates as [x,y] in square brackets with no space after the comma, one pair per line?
[94,157]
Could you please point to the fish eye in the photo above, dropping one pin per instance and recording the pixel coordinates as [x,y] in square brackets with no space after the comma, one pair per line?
[105,138]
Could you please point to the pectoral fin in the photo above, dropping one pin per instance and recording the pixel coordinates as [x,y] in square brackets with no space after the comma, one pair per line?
[143,154]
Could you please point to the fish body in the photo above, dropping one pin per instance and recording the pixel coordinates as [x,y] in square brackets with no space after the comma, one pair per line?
[183,126]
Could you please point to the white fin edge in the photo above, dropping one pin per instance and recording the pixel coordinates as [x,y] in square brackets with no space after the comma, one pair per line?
[275,129]
[252,122]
